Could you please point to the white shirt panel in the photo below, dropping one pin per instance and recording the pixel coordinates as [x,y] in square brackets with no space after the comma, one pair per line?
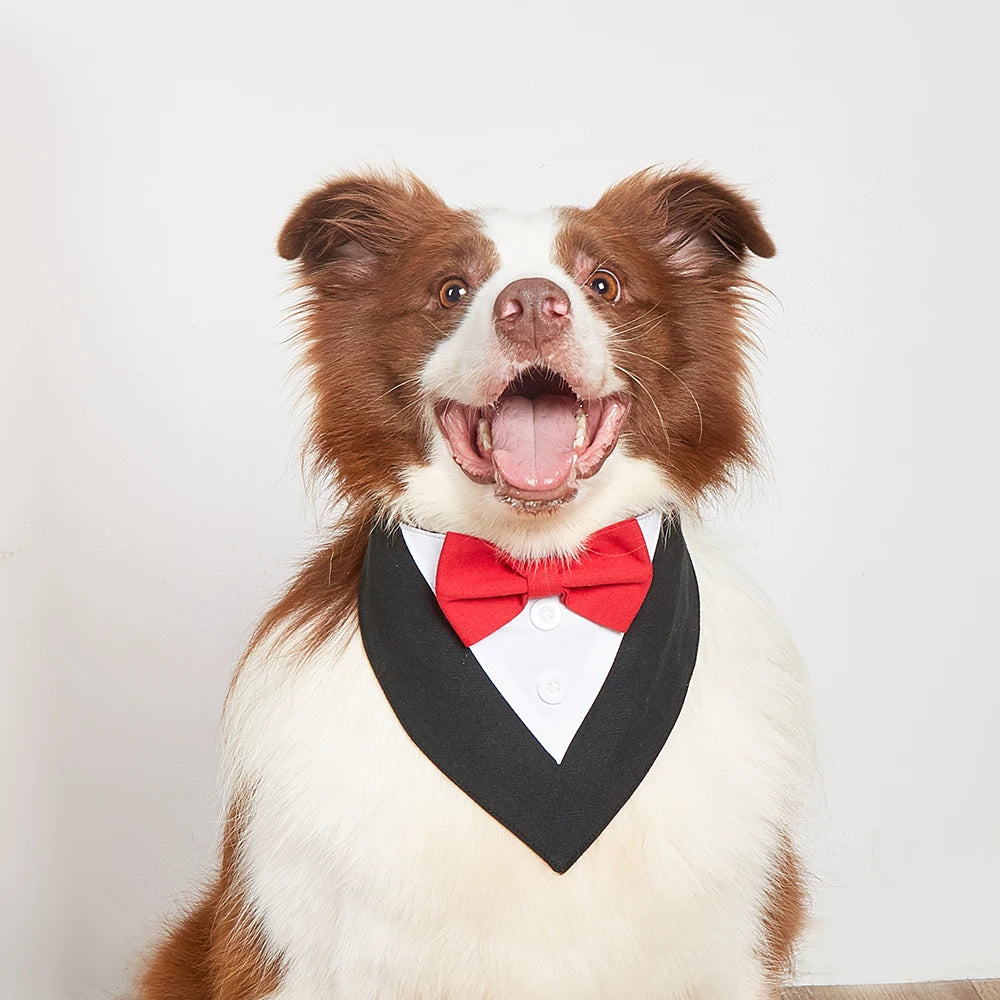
[549,663]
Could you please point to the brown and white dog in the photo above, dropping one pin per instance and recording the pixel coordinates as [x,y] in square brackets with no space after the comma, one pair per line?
[527,380]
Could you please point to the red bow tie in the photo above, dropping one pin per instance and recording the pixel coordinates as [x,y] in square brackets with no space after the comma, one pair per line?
[481,588]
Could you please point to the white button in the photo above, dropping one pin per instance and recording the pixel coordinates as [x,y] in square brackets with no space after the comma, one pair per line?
[553,686]
[546,613]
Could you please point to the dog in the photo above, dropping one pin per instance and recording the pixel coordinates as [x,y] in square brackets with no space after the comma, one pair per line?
[518,730]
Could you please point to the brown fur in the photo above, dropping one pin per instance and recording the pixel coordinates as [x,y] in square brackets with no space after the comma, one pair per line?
[784,916]
[216,952]
[372,253]
[677,243]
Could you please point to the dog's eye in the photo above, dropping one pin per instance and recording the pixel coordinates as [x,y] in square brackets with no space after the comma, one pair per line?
[452,291]
[605,284]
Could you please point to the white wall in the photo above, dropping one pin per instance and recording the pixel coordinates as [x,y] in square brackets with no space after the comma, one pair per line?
[151,503]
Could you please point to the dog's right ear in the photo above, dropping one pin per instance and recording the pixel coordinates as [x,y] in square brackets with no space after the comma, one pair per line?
[355,219]
[701,227]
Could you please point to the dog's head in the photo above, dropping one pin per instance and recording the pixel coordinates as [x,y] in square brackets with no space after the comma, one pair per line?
[526,379]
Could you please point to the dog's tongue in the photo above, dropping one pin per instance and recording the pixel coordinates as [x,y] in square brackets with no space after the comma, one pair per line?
[533,440]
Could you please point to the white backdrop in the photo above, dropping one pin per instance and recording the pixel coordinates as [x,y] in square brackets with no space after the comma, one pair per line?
[151,503]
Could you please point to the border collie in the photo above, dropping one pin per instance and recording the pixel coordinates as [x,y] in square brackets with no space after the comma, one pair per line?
[517,730]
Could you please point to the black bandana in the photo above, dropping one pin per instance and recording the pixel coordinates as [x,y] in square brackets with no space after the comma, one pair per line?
[454,714]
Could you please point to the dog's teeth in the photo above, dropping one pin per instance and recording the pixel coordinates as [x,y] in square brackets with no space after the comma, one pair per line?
[581,430]
[484,436]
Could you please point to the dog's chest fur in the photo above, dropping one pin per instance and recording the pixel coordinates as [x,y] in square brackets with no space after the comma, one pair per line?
[373,875]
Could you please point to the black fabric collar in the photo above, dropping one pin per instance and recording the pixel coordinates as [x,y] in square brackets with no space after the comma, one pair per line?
[454,714]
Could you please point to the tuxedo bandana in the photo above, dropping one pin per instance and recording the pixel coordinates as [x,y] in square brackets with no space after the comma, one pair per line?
[451,710]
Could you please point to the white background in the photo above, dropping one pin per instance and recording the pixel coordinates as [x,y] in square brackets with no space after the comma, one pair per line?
[151,504]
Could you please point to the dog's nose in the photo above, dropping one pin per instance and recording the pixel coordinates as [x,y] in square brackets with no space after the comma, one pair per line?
[530,314]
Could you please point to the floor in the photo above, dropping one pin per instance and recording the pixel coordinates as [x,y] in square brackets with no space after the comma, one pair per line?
[983,989]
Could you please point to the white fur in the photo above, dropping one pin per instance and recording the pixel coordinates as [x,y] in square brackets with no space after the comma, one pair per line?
[623,488]
[374,876]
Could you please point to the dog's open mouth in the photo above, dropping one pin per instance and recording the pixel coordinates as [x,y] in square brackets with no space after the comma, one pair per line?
[535,440]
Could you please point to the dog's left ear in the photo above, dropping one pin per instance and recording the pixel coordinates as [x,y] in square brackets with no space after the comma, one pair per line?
[698,224]
[355,220]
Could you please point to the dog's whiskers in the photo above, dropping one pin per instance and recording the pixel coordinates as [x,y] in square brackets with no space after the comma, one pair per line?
[433,325]
[635,378]
[460,384]
[399,385]
[633,324]
[637,329]
[684,385]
